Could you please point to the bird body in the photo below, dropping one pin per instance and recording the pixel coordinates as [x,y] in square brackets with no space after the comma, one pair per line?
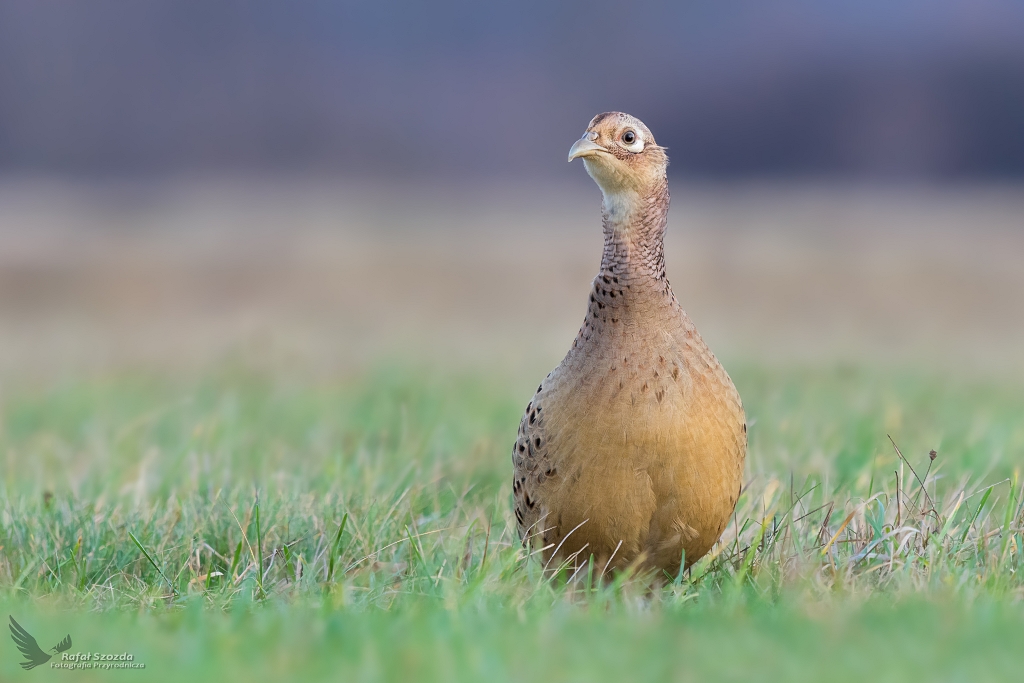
[632,449]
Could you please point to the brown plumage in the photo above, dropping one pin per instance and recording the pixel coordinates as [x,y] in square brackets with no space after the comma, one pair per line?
[632,449]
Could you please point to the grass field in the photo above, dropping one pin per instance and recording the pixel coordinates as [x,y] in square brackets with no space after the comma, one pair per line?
[378,510]
[249,519]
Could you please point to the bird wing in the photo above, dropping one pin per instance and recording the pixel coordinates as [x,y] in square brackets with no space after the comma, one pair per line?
[64,644]
[531,465]
[28,646]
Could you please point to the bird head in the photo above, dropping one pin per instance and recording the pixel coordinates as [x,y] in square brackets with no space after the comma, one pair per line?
[620,154]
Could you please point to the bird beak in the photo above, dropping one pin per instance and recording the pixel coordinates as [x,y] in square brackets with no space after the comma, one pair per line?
[585,147]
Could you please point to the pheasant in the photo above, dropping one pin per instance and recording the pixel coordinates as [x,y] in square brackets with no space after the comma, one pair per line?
[632,449]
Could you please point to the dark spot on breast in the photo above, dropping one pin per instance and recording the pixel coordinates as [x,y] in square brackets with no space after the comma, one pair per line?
[675,372]
[533,417]
[606,280]
[529,503]
[519,516]
[539,387]
[522,447]
[536,442]
[644,387]
[659,394]
[744,427]
[551,471]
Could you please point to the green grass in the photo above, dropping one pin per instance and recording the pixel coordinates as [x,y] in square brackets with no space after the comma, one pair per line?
[247,527]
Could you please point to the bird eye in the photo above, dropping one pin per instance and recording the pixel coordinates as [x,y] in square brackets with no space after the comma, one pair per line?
[632,141]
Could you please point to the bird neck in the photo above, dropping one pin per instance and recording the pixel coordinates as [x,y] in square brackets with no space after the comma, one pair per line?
[634,234]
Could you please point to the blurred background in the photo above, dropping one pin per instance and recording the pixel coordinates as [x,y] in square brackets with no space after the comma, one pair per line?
[325,184]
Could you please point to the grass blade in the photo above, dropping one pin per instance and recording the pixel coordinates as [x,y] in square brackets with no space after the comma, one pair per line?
[259,550]
[334,547]
[149,557]
[981,506]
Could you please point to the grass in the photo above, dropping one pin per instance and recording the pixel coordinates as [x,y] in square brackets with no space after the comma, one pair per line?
[242,526]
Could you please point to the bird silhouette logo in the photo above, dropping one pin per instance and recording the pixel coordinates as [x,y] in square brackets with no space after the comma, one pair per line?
[34,655]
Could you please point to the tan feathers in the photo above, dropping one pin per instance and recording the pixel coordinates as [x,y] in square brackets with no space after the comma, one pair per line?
[632,448]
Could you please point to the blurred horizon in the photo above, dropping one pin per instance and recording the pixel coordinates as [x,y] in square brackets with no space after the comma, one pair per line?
[322,185]
[910,91]
[317,280]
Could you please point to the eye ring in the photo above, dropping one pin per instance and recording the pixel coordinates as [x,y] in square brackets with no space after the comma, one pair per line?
[629,137]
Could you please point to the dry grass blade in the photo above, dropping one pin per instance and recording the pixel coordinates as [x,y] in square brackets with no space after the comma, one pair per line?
[924,488]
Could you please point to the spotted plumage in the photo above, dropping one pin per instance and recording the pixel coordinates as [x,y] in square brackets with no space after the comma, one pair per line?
[632,449]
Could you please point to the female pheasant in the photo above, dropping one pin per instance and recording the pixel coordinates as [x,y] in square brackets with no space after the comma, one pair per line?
[632,449]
